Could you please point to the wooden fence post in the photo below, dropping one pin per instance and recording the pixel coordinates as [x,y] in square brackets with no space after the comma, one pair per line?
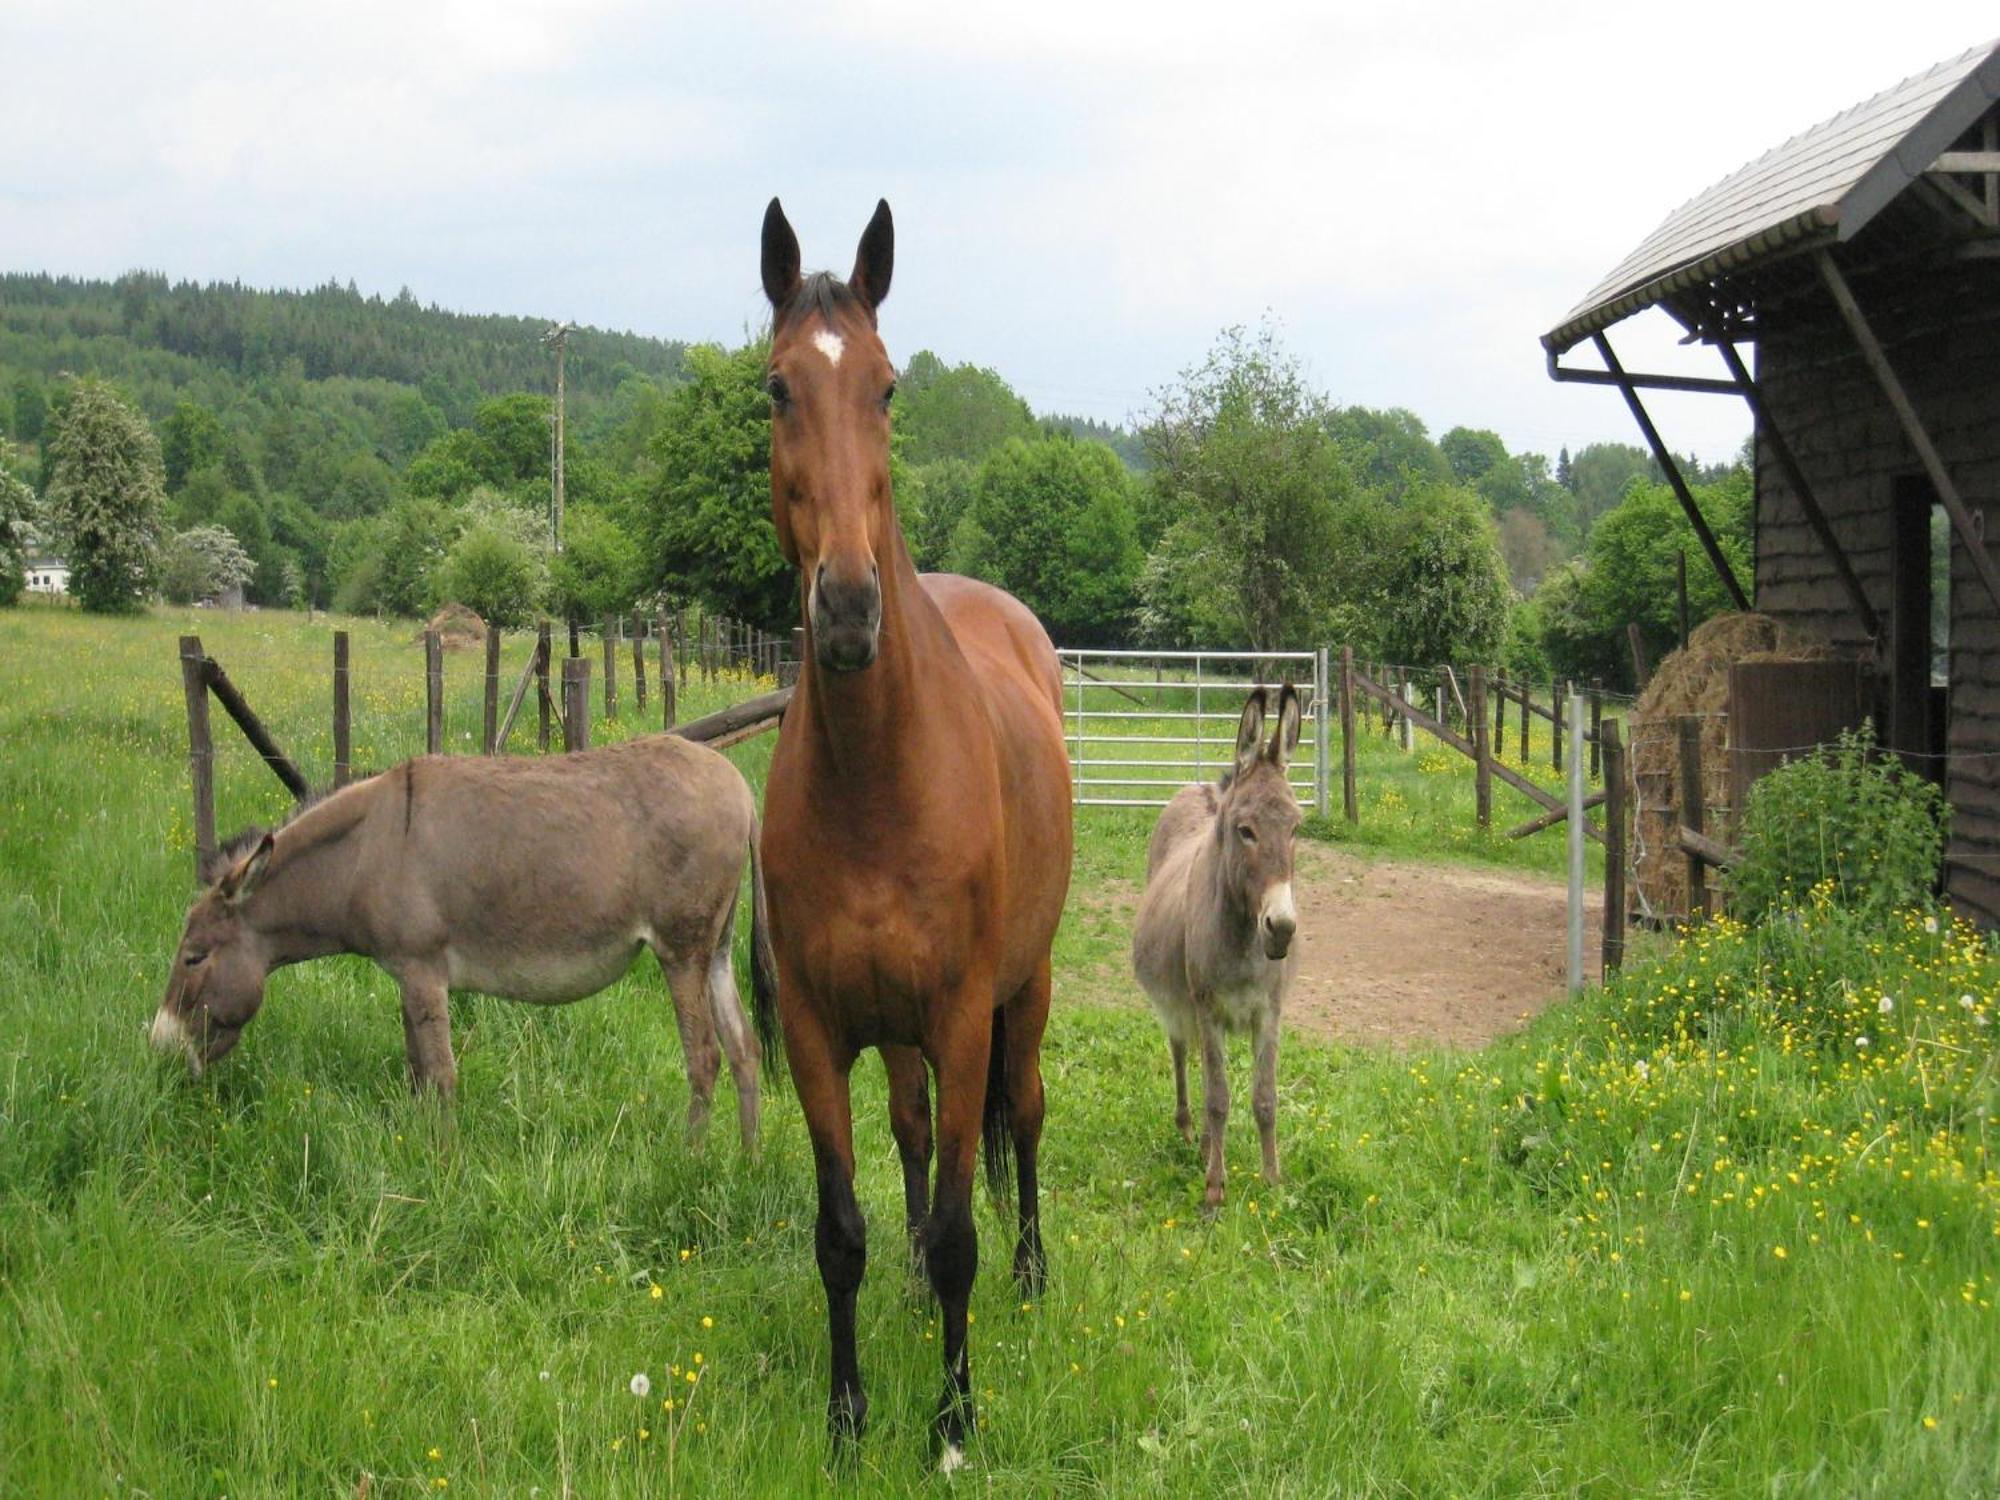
[542,685]
[576,703]
[201,749]
[1500,713]
[1349,802]
[575,643]
[1404,727]
[1640,672]
[1596,727]
[1527,690]
[1482,760]
[1556,699]
[343,734]
[1692,800]
[491,738]
[1614,850]
[610,667]
[433,693]
[639,667]
[669,671]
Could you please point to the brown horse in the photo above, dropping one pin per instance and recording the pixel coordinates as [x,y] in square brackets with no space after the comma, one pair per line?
[916,825]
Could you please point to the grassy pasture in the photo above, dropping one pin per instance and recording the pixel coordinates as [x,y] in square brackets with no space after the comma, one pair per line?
[1692,1235]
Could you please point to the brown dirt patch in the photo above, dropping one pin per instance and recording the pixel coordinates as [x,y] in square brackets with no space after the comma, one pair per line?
[1395,952]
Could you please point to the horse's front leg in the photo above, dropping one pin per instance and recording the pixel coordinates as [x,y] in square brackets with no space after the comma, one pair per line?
[959,1049]
[840,1237]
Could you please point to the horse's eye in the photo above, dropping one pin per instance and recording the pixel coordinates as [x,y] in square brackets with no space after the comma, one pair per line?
[889,395]
[1246,833]
[781,394]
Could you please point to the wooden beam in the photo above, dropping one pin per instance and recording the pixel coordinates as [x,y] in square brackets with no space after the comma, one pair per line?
[1672,468]
[1967,161]
[254,730]
[1927,454]
[1699,846]
[1795,477]
[1957,194]
[739,720]
[1549,819]
[1704,385]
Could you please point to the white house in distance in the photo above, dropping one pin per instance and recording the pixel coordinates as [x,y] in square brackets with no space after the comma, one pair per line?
[47,575]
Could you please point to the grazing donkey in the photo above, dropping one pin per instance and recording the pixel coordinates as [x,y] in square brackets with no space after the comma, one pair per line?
[535,880]
[1213,942]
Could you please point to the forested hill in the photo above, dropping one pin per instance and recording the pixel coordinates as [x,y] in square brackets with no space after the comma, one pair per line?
[145,332]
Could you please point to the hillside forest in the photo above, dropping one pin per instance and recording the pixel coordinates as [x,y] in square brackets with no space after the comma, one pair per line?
[329,449]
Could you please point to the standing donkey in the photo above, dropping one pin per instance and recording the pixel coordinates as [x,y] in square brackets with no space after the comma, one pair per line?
[1213,943]
[536,880]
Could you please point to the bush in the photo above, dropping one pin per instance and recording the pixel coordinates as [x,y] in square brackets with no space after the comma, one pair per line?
[1858,823]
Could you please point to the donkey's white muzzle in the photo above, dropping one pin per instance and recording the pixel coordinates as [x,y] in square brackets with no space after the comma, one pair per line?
[1278,921]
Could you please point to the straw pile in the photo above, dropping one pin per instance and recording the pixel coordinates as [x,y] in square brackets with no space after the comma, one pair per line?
[1693,680]
[458,628]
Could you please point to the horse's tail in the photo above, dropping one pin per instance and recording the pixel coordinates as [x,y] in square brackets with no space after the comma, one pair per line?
[763,963]
[998,1125]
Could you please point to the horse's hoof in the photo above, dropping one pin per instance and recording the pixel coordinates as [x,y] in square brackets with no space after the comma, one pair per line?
[1031,1273]
[846,1421]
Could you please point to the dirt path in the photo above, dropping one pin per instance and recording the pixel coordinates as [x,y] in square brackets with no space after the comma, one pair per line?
[1396,952]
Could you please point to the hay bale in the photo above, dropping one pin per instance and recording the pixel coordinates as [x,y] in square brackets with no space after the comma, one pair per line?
[458,628]
[1693,680]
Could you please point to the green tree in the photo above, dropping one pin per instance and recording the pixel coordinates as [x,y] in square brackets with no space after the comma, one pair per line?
[493,572]
[1389,450]
[705,521]
[1441,587]
[1052,522]
[1599,473]
[415,536]
[934,498]
[31,409]
[1242,455]
[201,563]
[106,497]
[1634,554]
[955,411]
[1472,452]
[190,438]
[599,570]
[17,518]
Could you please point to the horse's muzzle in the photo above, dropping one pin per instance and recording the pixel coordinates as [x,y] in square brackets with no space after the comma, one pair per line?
[846,620]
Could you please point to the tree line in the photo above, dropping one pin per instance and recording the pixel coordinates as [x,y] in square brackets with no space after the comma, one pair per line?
[1243,508]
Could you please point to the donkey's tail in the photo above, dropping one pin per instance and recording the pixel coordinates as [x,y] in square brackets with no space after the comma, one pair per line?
[997,1127]
[763,963]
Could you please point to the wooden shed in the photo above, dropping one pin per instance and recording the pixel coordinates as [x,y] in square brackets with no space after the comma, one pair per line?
[1861,259]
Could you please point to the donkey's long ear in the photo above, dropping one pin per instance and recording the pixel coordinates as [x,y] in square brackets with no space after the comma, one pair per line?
[243,880]
[1286,737]
[781,256]
[1250,732]
[875,258]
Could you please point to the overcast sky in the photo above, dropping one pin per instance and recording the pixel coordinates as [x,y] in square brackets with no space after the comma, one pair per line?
[1085,193]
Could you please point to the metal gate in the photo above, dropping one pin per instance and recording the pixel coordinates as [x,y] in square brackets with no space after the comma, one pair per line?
[1143,724]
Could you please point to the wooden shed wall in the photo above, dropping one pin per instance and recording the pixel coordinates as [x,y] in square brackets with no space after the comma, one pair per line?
[1940,324]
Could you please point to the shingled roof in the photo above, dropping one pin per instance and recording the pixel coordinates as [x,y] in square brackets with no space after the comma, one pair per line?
[1820,187]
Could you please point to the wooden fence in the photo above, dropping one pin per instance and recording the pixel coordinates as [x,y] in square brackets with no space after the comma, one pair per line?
[710,647]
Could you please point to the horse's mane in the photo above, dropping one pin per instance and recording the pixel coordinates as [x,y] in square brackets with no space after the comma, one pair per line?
[821,292]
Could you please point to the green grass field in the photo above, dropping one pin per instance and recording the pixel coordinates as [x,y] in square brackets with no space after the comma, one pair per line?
[1727,1228]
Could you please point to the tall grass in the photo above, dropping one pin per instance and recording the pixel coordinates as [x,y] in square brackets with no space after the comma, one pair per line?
[1550,1267]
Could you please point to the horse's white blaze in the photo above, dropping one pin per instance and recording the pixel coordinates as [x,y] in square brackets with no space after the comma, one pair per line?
[830,344]
[953,1460]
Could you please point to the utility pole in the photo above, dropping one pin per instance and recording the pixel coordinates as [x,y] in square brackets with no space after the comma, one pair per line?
[557,338]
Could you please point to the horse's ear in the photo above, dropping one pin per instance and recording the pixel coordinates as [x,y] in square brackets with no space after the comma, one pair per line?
[875,258]
[243,880]
[781,256]
[1250,732]
[1286,738]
